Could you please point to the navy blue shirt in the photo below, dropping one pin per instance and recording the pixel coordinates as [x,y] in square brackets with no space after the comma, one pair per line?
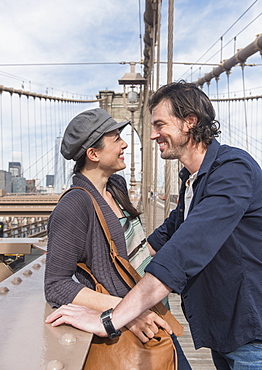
[214,257]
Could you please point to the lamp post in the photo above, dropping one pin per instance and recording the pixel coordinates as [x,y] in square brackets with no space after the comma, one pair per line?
[132,104]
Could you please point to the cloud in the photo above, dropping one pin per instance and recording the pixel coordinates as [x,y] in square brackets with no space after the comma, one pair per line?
[105,31]
[69,31]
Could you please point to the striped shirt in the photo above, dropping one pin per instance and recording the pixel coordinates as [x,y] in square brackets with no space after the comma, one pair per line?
[137,250]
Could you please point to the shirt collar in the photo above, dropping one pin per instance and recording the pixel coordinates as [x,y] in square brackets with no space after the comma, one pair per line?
[209,158]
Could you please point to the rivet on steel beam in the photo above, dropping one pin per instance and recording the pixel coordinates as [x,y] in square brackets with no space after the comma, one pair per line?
[55,365]
[4,290]
[36,266]
[68,339]
[27,273]
[17,280]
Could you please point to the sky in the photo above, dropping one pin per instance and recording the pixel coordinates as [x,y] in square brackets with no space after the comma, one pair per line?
[106,31]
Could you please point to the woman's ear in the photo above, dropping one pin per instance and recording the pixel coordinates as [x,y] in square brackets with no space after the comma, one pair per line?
[191,120]
[91,154]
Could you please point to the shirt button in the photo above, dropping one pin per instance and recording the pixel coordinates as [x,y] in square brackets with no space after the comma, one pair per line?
[190,316]
[181,210]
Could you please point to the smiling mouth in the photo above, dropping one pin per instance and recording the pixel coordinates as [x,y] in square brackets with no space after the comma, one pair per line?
[162,145]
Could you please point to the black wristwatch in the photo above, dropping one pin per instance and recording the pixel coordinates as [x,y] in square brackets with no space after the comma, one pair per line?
[106,318]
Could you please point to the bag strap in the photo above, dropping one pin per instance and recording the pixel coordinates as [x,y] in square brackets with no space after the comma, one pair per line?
[123,267]
[126,270]
[98,287]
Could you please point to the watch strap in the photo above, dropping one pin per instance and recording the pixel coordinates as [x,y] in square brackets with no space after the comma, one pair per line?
[106,318]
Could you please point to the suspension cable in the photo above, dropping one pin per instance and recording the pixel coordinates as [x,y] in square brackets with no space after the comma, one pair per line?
[245,106]
[169,80]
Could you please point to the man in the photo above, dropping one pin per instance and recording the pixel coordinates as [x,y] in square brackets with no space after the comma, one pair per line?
[209,249]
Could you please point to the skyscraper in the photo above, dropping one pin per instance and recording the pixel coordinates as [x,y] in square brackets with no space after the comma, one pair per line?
[50,180]
[5,181]
[15,168]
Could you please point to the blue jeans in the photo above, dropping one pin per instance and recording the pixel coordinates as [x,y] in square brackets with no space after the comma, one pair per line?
[247,357]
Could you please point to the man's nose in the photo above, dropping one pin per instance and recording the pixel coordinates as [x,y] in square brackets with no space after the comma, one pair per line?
[154,134]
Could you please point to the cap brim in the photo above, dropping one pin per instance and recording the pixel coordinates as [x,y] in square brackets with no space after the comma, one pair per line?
[117,125]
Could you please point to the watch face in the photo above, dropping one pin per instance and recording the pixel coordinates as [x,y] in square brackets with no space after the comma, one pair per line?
[107,315]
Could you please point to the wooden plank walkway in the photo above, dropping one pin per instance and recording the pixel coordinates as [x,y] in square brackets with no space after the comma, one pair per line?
[199,359]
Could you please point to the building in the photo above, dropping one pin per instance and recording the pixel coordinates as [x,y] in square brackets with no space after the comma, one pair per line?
[15,168]
[18,185]
[6,181]
[50,180]
[30,186]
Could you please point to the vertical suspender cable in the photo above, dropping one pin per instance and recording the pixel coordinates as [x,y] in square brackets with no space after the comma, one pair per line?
[169,80]
[1,129]
[35,159]
[47,139]
[245,105]
[21,132]
[28,132]
[218,112]
[155,143]
[41,134]
[229,113]
[60,111]
[152,80]
[53,135]
[12,129]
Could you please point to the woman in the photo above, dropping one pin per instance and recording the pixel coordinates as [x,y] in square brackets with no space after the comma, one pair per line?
[93,140]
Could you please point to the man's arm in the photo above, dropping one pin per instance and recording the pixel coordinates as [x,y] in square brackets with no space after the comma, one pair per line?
[143,296]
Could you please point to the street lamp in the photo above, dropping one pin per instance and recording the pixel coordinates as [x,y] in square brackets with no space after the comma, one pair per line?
[132,104]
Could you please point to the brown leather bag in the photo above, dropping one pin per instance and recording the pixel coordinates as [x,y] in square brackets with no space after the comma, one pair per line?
[127,352]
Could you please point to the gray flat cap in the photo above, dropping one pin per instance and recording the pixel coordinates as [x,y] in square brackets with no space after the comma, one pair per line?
[85,129]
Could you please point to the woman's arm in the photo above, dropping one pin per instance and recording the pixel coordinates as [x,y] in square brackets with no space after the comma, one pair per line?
[67,235]
[136,301]
[95,300]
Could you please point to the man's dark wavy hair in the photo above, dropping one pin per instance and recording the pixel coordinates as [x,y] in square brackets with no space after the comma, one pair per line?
[186,98]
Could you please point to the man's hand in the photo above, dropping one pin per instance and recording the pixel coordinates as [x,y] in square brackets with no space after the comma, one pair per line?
[146,325]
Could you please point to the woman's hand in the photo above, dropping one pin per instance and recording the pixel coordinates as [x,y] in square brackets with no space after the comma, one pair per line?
[81,317]
[146,325]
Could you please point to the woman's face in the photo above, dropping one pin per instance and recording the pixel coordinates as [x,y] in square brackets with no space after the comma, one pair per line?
[111,156]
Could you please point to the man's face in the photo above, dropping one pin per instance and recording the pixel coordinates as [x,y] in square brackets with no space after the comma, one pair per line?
[170,132]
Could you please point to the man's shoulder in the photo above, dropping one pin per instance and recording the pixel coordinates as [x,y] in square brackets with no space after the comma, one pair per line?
[236,154]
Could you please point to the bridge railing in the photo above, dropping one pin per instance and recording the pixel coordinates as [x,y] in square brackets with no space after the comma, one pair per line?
[29,343]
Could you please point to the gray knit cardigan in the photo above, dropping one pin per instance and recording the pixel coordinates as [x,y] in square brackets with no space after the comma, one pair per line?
[75,235]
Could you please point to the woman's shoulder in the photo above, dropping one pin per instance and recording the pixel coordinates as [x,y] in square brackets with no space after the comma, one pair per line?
[74,200]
